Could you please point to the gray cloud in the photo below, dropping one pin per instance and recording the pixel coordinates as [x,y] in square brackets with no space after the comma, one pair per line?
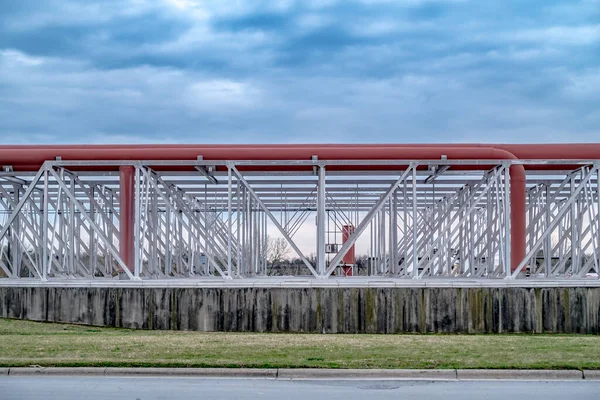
[321,71]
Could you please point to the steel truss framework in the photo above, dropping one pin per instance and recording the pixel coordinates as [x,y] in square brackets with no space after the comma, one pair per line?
[422,219]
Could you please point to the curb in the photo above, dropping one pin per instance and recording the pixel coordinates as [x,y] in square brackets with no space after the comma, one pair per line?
[404,374]
[115,371]
[518,374]
[26,371]
[314,374]
[591,374]
[195,372]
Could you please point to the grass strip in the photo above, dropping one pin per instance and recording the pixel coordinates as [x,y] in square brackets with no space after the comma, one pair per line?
[26,343]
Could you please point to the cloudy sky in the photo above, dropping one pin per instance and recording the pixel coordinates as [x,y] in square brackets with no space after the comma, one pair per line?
[204,71]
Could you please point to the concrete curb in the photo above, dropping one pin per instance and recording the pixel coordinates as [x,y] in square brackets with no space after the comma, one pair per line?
[406,374]
[591,374]
[80,371]
[313,374]
[114,371]
[518,374]
[197,372]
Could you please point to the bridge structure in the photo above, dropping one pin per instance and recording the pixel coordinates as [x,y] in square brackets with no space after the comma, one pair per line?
[441,212]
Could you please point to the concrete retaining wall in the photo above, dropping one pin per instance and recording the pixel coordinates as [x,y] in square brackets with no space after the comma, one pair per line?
[330,310]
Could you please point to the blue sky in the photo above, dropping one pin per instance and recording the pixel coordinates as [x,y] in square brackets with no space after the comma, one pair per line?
[141,71]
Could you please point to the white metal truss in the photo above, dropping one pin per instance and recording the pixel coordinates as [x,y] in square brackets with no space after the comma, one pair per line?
[421,220]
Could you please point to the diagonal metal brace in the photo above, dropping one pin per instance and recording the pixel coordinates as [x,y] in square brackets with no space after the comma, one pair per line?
[273,219]
[23,200]
[367,220]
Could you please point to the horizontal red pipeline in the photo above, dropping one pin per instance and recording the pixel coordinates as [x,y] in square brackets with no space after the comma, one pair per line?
[30,158]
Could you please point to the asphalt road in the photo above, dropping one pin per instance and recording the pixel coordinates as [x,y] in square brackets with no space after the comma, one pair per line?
[153,388]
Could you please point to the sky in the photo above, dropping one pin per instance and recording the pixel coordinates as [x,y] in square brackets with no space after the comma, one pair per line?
[312,71]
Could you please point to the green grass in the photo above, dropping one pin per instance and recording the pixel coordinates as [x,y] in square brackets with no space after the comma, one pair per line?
[25,343]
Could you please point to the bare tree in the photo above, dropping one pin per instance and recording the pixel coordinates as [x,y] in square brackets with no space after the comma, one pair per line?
[277,249]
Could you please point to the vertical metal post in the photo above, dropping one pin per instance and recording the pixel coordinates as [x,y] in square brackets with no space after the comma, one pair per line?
[531,229]
[548,242]
[191,255]
[251,244]
[168,258]
[243,261]
[414,220]
[321,215]
[248,248]
[377,233]
[471,233]
[382,240]
[92,243]
[507,218]
[136,232]
[77,248]
[375,250]
[489,259]
[450,252]
[111,233]
[598,216]
[405,230]
[265,248]
[561,234]
[45,216]
[461,235]
[179,241]
[152,215]
[71,231]
[238,232]
[394,233]
[16,251]
[371,249]
[573,211]
[255,244]
[229,221]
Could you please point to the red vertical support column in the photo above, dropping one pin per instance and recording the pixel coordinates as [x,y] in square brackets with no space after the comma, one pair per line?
[518,209]
[127,215]
[349,259]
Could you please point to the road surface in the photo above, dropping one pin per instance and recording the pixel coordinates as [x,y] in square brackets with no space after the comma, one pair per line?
[155,388]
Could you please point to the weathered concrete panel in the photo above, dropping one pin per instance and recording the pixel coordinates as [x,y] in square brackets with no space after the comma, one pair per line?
[327,310]
[90,306]
[24,303]
[160,309]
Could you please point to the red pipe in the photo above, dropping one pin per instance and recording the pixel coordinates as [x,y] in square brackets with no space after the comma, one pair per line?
[349,258]
[518,215]
[34,156]
[30,157]
[126,215]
